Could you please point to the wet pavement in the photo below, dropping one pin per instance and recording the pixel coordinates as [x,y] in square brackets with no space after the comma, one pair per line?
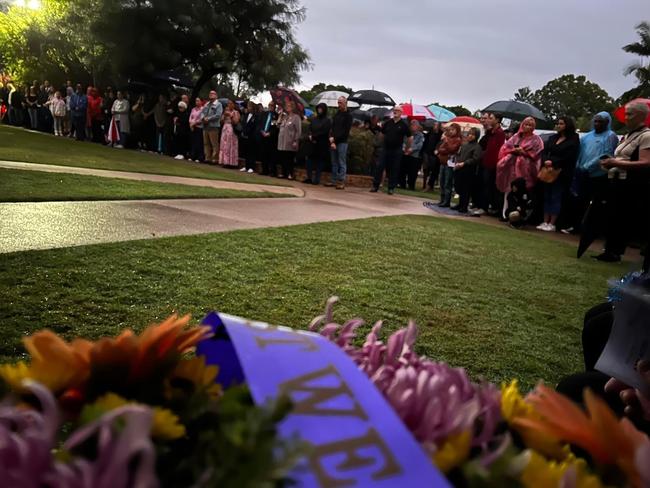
[44,225]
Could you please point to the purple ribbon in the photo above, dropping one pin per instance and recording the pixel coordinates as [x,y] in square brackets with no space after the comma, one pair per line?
[356,438]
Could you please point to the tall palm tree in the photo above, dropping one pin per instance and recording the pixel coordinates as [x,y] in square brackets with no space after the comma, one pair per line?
[641,48]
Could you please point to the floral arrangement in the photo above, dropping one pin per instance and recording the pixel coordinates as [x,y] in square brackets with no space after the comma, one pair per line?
[142,411]
[133,411]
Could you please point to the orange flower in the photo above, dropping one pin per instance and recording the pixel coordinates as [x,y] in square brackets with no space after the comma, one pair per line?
[55,363]
[159,346]
[600,433]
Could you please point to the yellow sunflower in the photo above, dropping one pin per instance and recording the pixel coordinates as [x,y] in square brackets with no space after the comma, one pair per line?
[196,372]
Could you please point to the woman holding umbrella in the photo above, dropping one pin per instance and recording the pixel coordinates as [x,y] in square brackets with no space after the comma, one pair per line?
[520,157]
[289,137]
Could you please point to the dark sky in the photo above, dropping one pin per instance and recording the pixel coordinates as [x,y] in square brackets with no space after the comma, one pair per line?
[468,52]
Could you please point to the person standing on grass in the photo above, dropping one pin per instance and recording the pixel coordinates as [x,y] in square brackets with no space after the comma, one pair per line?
[341,126]
[290,125]
[196,132]
[248,137]
[229,146]
[58,109]
[31,100]
[78,108]
[211,113]
[162,112]
[520,157]
[469,159]
[446,152]
[560,153]
[488,199]
[320,127]
[395,130]
[430,161]
[412,161]
[181,138]
[95,115]
[121,110]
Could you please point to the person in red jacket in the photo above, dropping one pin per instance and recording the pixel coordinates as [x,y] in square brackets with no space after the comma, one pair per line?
[94,115]
[489,200]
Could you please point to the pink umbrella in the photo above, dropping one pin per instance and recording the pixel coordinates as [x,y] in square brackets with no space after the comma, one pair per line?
[463,119]
[417,112]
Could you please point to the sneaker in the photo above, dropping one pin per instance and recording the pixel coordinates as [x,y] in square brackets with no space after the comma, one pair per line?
[550,228]
[179,156]
[250,171]
[329,184]
[478,212]
[340,186]
[543,226]
[243,170]
[568,230]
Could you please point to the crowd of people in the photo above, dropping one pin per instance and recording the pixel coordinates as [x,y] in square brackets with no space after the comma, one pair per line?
[513,174]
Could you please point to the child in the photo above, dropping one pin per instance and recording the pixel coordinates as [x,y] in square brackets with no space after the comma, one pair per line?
[520,204]
[58,110]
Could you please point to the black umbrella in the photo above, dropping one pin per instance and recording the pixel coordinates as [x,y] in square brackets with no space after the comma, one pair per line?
[593,224]
[371,97]
[362,115]
[516,110]
[380,112]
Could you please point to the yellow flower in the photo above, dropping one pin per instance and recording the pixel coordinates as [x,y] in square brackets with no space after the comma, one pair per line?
[514,408]
[14,375]
[453,452]
[196,372]
[542,473]
[166,425]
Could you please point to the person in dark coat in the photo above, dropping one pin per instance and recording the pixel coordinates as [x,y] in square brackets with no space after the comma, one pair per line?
[268,132]
[430,161]
[469,159]
[319,130]
[560,153]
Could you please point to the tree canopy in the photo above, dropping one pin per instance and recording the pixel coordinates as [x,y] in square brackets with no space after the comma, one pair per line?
[640,68]
[571,95]
[249,46]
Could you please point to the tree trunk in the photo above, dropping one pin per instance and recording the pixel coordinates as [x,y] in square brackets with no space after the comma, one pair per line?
[206,75]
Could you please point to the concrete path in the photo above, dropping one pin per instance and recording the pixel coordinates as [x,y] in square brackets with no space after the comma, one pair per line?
[125,175]
[26,226]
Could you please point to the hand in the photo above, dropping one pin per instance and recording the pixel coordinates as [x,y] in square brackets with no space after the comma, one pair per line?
[265,134]
[333,147]
[608,163]
[636,403]
[460,165]
[548,164]
[516,151]
[294,145]
[205,120]
[331,140]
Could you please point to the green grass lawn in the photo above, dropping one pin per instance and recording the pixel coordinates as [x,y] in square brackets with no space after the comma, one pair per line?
[498,302]
[36,186]
[20,145]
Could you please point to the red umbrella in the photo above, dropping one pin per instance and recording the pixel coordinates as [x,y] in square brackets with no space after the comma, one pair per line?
[113,134]
[463,119]
[281,95]
[620,111]
[417,112]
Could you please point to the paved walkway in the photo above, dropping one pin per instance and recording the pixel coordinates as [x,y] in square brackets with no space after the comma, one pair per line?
[45,225]
[125,175]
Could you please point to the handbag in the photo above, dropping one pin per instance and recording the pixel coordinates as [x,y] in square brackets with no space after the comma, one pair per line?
[548,174]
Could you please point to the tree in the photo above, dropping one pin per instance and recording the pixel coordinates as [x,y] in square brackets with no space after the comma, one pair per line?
[524,94]
[308,95]
[572,95]
[249,45]
[640,69]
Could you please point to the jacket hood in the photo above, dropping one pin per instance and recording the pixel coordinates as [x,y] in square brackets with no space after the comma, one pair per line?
[322,106]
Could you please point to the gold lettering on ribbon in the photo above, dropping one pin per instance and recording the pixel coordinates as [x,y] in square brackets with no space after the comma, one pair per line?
[300,339]
[349,447]
[320,394]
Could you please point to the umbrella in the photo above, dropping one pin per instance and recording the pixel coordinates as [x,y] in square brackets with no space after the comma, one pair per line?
[441,114]
[331,99]
[113,134]
[281,95]
[593,225]
[465,120]
[416,112]
[372,97]
[309,112]
[362,115]
[620,111]
[516,110]
[381,112]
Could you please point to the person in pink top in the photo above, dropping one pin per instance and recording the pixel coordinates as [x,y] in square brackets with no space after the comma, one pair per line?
[58,109]
[196,132]
[520,157]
